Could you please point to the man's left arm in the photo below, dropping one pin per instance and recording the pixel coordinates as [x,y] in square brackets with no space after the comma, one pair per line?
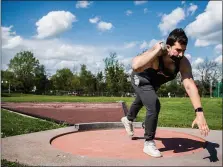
[192,91]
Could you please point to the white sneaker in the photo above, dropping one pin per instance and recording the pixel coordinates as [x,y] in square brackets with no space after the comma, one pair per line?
[150,149]
[128,126]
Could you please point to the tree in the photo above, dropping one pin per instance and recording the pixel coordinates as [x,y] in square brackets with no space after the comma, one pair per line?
[100,82]
[8,80]
[76,85]
[62,80]
[210,72]
[115,75]
[87,80]
[23,65]
[175,87]
[41,81]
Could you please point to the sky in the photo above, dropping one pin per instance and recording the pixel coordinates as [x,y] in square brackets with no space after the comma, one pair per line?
[65,34]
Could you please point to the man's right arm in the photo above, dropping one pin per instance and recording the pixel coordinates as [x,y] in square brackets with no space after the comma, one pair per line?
[143,61]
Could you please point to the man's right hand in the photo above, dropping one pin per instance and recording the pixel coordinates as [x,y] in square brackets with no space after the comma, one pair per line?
[159,48]
[163,46]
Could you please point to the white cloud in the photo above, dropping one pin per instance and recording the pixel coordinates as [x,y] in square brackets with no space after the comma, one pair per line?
[126,62]
[200,42]
[207,28]
[9,39]
[188,56]
[101,25]
[170,21]
[160,14]
[94,20]
[218,49]
[83,4]
[54,23]
[56,54]
[219,59]
[140,2]
[153,42]
[144,45]
[197,61]
[191,9]
[130,44]
[128,12]
[145,10]
[150,44]
[104,26]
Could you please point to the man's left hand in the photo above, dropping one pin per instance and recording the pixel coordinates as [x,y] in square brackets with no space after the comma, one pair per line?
[202,125]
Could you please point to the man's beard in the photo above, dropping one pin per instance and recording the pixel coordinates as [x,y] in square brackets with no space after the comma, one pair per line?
[175,58]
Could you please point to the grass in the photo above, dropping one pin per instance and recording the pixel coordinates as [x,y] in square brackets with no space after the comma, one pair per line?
[6,163]
[41,98]
[179,113]
[13,124]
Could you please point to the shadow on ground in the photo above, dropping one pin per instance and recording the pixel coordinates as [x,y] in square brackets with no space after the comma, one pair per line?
[211,148]
[179,145]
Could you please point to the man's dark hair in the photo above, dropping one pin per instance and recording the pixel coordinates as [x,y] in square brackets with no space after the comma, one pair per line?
[177,35]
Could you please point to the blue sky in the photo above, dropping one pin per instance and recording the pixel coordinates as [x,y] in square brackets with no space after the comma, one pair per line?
[60,33]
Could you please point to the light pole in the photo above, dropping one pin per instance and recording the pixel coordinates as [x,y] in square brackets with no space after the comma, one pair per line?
[218,89]
[210,88]
[9,85]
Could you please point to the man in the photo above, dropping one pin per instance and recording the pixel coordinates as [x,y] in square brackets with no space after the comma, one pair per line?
[153,68]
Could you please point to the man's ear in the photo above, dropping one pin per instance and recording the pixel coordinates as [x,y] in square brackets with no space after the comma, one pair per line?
[168,47]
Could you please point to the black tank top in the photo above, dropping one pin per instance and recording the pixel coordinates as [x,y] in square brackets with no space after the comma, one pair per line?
[157,77]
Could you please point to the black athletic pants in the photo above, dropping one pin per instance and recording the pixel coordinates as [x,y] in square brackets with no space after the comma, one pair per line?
[145,95]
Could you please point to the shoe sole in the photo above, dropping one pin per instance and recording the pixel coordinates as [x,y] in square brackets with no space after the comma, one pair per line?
[155,156]
[126,130]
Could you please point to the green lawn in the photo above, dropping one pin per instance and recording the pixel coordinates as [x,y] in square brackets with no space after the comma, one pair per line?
[5,163]
[13,124]
[41,98]
[179,112]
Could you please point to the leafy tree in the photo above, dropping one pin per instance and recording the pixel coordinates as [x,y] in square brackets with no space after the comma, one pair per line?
[114,75]
[8,80]
[23,65]
[76,85]
[62,80]
[41,81]
[87,80]
[100,86]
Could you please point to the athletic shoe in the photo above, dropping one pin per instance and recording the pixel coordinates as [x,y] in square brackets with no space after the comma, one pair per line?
[150,149]
[128,126]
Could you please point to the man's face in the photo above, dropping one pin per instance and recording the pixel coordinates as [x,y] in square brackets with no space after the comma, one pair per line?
[177,50]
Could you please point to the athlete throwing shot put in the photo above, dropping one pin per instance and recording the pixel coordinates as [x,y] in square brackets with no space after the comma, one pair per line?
[153,68]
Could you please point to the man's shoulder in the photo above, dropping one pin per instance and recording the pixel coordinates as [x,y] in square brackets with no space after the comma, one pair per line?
[185,65]
[184,62]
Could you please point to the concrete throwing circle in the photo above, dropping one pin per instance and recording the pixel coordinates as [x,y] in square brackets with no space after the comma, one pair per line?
[114,143]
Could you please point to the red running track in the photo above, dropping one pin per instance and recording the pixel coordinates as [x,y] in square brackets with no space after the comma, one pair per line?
[68,112]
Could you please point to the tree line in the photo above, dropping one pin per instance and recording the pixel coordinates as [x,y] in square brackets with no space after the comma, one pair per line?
[25,74]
